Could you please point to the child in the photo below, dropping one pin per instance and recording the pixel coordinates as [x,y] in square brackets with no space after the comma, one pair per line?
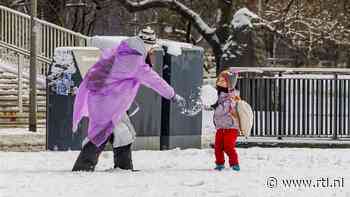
[226,120]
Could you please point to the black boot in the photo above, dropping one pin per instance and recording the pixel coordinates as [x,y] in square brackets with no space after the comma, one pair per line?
[122,157]
[88,157]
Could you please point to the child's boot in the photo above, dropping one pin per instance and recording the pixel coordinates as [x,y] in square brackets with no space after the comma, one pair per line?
[236,168]
[219,167]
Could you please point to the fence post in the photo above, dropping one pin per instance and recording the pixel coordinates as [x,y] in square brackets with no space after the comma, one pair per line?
[20,77]
[32,71]
[335,123]
[279,136]
[79,41]
[39,38]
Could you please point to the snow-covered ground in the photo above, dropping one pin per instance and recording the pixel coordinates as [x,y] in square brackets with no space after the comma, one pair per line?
[20,131]
[176,173]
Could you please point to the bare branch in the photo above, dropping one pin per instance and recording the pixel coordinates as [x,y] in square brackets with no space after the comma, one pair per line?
[288,6]
[17,2]
[227,2]
[202,27]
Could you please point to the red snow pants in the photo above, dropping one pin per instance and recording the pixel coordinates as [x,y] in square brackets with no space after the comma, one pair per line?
[225,142]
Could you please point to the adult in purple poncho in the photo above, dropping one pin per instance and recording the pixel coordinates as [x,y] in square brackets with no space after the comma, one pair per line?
[107,92]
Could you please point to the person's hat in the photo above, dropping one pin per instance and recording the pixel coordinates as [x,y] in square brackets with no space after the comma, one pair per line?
[148,35]
[227,79]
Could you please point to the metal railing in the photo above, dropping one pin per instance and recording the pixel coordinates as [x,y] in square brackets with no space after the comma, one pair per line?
[20,59]
[298,102]
[15,31]
[15,43]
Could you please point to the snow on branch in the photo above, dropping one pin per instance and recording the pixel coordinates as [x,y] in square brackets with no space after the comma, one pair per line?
[305,28]
[202,27]
[243,17]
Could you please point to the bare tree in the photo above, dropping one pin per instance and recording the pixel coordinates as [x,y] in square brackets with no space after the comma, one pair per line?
[315,28]
[215,36]
[310,28]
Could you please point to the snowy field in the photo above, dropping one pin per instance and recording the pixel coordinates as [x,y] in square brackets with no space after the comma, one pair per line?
[176,173]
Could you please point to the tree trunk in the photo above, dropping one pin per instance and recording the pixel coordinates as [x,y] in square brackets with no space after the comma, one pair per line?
[218,55]
[53,11]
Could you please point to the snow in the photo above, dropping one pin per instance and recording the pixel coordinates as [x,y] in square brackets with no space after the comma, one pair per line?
[174,48]
[230,43]
[21,138]
[295,140]
[64,60]
[174,173]
[208,126]
[198,21]
[19,131]
[63,56]
[11,68]
[243,17]
[103,42]
[209,95]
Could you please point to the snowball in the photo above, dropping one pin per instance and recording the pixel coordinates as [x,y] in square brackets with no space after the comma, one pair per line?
[209,95]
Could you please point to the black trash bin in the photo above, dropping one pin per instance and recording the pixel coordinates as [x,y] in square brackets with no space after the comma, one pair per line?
[64,77]
[159,124]
[184,73]
[147,121]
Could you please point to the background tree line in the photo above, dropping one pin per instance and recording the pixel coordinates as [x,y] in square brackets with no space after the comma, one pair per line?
[295,32]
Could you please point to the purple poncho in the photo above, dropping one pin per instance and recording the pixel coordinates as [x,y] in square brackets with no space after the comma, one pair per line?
[110,87]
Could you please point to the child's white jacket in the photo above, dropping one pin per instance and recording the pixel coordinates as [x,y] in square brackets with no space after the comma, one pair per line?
[124,133]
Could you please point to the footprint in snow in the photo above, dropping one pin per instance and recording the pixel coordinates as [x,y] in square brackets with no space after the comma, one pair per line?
[193,183]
